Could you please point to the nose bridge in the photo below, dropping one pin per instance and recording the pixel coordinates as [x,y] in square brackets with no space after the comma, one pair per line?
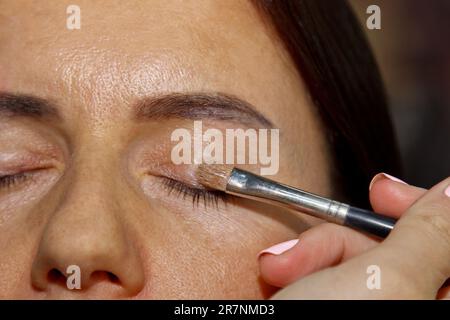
[92,178]
[88,200]
[87,230]
[89,188]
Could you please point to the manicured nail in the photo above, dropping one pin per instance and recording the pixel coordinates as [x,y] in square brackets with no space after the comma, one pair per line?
[447,191]
[384,176]
[279,248]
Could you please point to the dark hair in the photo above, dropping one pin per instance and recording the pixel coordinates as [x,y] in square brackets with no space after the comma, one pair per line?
[332,56]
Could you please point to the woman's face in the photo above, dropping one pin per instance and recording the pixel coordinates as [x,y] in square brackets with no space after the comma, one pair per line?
[86,173]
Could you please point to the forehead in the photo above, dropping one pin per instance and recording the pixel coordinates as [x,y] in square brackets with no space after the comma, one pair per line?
[131,49]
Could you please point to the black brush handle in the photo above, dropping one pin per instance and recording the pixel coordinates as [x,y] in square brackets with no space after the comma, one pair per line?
[370,222]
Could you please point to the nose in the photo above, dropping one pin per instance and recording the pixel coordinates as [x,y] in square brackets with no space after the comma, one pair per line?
[87,233]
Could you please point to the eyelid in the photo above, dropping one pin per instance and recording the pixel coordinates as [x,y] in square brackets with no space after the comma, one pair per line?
[11,180]
[18,179]
[12,163]
[184,173]
[198,194]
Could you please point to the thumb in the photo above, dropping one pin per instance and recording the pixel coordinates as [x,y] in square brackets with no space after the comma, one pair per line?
[327,244]
[419,245]
[414,260]
[391,196]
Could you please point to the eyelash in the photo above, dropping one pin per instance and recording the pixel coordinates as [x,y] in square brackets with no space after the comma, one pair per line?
[9,181]
[197,195]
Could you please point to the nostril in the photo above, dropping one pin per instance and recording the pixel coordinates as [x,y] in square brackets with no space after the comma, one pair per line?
[99,276]
[56,276]
[113,278]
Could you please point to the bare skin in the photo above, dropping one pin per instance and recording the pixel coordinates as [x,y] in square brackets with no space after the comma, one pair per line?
[86,184]
[93,196]
[333,262]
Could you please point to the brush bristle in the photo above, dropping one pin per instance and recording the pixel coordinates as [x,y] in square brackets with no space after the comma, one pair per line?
[214,176]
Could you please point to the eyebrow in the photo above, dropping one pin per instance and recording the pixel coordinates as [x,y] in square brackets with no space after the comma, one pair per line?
[26,105]
[216,106]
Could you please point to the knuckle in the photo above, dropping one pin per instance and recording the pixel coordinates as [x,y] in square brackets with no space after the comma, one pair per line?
[335,233]
[323,228]
[435,226]
[434,219]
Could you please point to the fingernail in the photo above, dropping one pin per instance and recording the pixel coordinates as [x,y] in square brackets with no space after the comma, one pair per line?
[447,191]
[279,248]
[383,175]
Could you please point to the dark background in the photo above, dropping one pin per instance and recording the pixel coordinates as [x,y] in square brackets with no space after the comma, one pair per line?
[413,52]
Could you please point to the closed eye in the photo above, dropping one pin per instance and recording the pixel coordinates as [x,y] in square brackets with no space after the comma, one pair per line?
[208,197]
[12,180]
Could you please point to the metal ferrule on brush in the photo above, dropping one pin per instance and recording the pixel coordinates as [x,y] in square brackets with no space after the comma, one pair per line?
[251,186]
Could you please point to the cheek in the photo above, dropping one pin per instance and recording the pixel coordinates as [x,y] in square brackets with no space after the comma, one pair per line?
[17,247]
[17,205]
[3,78]
[213,253]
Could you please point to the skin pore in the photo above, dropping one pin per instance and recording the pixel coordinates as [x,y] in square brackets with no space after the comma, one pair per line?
[94,187]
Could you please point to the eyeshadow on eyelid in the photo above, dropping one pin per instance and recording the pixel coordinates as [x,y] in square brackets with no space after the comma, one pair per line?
[197,195]
[179,194]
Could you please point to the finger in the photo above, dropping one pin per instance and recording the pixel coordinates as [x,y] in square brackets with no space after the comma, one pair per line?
[328,244]
[412,263]
[391,196]
[420,241]
[317,248]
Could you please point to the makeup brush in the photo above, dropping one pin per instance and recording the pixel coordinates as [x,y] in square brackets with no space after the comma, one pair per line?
[245,184]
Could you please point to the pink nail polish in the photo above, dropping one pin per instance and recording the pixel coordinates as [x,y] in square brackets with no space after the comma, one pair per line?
[384,175]
[447,191]
[393,178]
[279,248]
